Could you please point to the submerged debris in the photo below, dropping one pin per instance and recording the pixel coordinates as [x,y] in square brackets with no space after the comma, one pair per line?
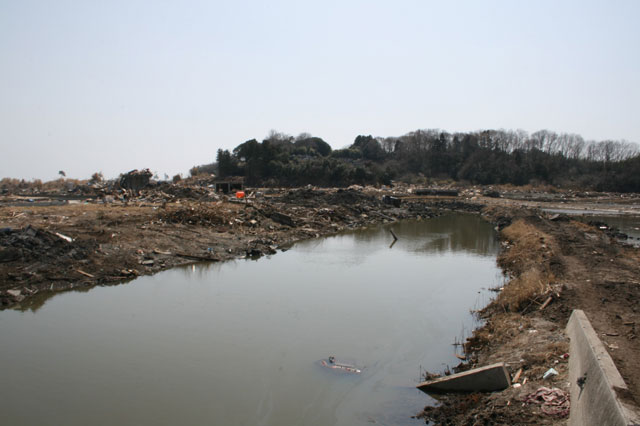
[341,366]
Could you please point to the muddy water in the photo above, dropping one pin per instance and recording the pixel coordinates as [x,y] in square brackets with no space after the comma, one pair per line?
[238,343]
[628,224]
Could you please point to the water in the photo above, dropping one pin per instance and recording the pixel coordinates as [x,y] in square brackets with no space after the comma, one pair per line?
[238,343]
[626,223]
[629,225]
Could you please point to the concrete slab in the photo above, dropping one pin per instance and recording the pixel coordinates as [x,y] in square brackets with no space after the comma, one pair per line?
[597,388]
[484,379]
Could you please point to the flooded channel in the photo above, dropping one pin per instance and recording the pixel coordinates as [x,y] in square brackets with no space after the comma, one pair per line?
[628,224]
[239,343]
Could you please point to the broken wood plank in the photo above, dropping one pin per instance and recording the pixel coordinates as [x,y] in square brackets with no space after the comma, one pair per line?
[516,377]
[546,302]
[86,274]
[64,237]
[197,257]
[282,219]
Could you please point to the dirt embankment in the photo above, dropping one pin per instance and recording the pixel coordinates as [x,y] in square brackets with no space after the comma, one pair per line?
[554,265]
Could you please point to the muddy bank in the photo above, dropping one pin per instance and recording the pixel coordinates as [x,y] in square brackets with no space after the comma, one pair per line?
[554,264]
[101,240]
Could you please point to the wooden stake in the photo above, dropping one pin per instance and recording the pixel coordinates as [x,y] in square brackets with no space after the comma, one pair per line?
[546,302]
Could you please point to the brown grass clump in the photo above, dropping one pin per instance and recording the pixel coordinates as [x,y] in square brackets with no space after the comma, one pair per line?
[524,290]
[527,247]
[528,258]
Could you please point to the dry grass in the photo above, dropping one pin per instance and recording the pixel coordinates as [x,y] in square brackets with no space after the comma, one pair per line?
[527,246]
[524,291]
[528,259]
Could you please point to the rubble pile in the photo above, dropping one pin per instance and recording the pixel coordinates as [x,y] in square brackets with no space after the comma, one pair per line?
[172,192]
[197,214]
[135,180]
[313,197]
[25,258]
[32,244]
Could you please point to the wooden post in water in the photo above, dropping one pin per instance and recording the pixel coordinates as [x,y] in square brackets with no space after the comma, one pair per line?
[395,238]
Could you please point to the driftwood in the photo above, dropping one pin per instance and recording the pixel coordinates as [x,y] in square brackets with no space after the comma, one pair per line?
[86,274]
[197,257]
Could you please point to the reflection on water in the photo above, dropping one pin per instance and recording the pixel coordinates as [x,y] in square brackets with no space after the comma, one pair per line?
[238,343]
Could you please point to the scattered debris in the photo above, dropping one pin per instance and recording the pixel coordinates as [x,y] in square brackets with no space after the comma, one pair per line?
[394,201]
[552,401]
[516,377]
[136,180]
[64,237]
[546,302]
[205,225]
[14,293]
[484,379]
[341,366]
[550,373]
[86,274]
[281,218]
[197,257]
[437,192]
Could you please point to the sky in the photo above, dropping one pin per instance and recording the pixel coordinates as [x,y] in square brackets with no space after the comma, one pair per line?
[109,86]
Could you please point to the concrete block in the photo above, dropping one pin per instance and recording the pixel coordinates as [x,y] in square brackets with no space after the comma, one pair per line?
[484,379]
[596,384]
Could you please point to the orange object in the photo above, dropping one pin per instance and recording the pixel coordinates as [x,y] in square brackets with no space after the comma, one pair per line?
[240,194]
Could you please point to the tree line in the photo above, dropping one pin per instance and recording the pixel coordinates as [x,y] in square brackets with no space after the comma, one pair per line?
[482,157]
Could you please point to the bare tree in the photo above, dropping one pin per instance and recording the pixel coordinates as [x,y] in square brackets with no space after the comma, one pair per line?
[302,136]
[275,136]
[388,144]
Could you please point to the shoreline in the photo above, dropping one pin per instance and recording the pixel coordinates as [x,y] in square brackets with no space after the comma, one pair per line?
[575,265]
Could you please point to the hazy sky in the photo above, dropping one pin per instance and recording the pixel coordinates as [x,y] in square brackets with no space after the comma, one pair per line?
[110,86]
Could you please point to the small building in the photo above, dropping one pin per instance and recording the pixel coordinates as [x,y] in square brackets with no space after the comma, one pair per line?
[228,185]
